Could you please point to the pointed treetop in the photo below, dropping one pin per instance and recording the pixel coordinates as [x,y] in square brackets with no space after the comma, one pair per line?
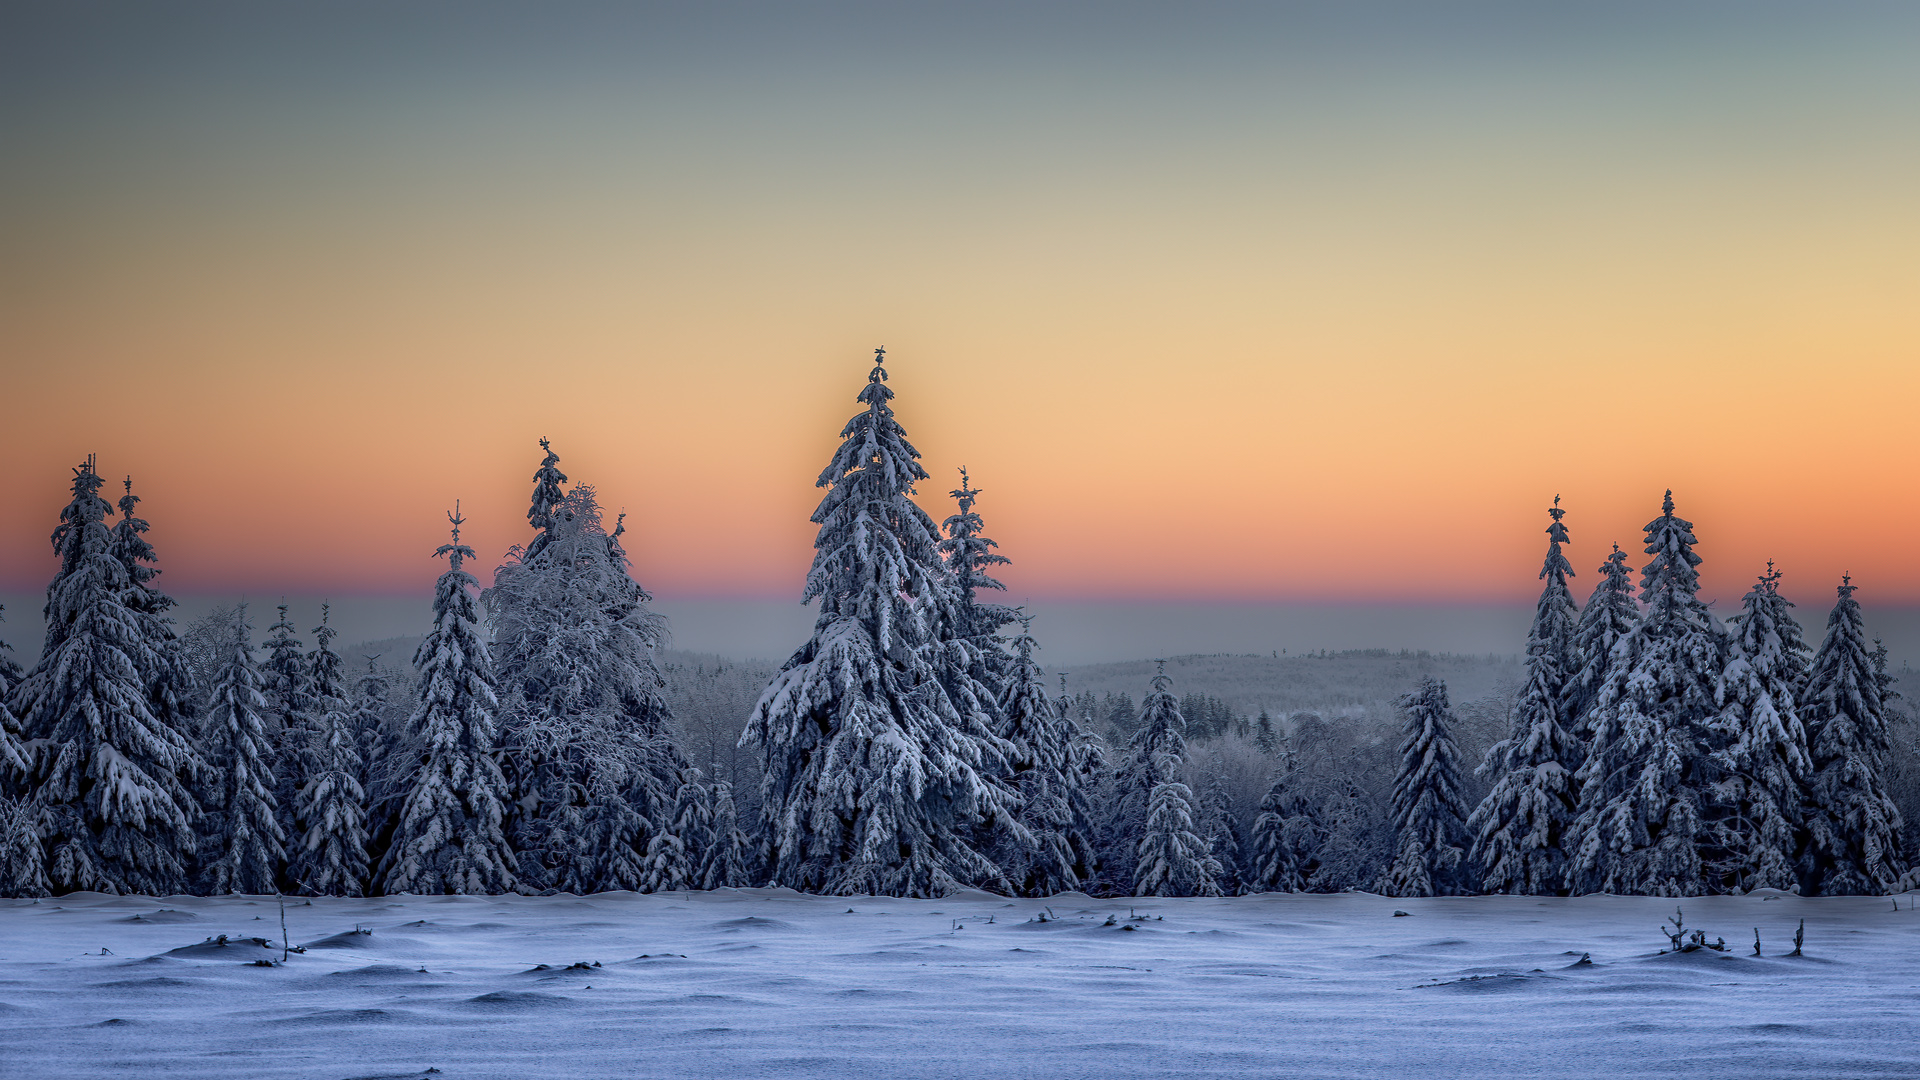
[966,493]
[546,495]
[1666,507]
[1846,583]
[324,633]
[1556,535]
[456,552]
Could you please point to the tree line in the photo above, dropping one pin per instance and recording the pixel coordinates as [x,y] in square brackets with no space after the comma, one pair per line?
[912,745]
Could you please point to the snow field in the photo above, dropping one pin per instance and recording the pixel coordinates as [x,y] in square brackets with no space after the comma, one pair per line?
[770,983]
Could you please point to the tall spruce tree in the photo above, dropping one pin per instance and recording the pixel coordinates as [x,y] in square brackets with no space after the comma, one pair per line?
[1520,828]
[331,857]
[1286,836]
[1649,773]
[1610,615]
[1764,759]
[585,725]
[13,756]
[105,771]
[543,514]
[246,846]
[1853,844]
[164,665]
[1155,757]
[448,838]
[1225,838]
[1428,816]
[23,862]
[1053,853]
[970,557]
[879,760]
[1173,859]
[730,861]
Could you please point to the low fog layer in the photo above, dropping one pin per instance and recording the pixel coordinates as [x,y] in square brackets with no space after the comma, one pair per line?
[1073,632]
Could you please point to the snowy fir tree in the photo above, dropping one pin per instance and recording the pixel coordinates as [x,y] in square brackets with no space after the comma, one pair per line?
[1286,836]
[1265,735]
[729,860]
[1519,830]
[448,838]
[588,751]
[163,663]
[1221,820]
[109,777]
[1610,615]
[547,497]
[879,762]
[1428,815]
[1155,757]
[1649,769]
[385,756]
[283,676]
[330,858]
[1764,759]
[245,846]
[673,855]
[13,756]
[1053,853]
[1173,858]
[23,862]
[970,557]
[1853,827]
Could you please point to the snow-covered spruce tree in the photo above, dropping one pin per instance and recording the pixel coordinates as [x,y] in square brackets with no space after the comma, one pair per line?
[1429,817]
[386,759]
[1853,844]
[1286,839]
[876,776]
[1610,615]
[164,664]
[23,860]
[1265,735]
[289,713]
[1155,756]
[970,556]
[448,838]
[1055,854]
[589,758]
[246,845]
[1221,821]
[13,756]
[107,774]
[544,514]
[675,852]
[331,856]
[729,862]
[1764,759]
[1520,828]
[1649,769]
[1173,859]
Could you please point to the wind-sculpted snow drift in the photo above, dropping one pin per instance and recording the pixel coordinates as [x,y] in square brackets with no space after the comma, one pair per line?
[770,983]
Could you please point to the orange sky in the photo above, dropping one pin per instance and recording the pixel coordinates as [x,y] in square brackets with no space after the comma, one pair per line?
[1231,324]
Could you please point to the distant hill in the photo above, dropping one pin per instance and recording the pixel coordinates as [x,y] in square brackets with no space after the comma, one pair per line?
[1281,684]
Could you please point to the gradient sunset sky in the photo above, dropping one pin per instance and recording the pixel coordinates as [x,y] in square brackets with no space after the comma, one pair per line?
[1215,302]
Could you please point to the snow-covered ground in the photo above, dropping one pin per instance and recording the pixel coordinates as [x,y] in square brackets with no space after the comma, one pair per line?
[767,983]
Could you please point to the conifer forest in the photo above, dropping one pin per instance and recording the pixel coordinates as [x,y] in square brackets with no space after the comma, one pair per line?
[542,740]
